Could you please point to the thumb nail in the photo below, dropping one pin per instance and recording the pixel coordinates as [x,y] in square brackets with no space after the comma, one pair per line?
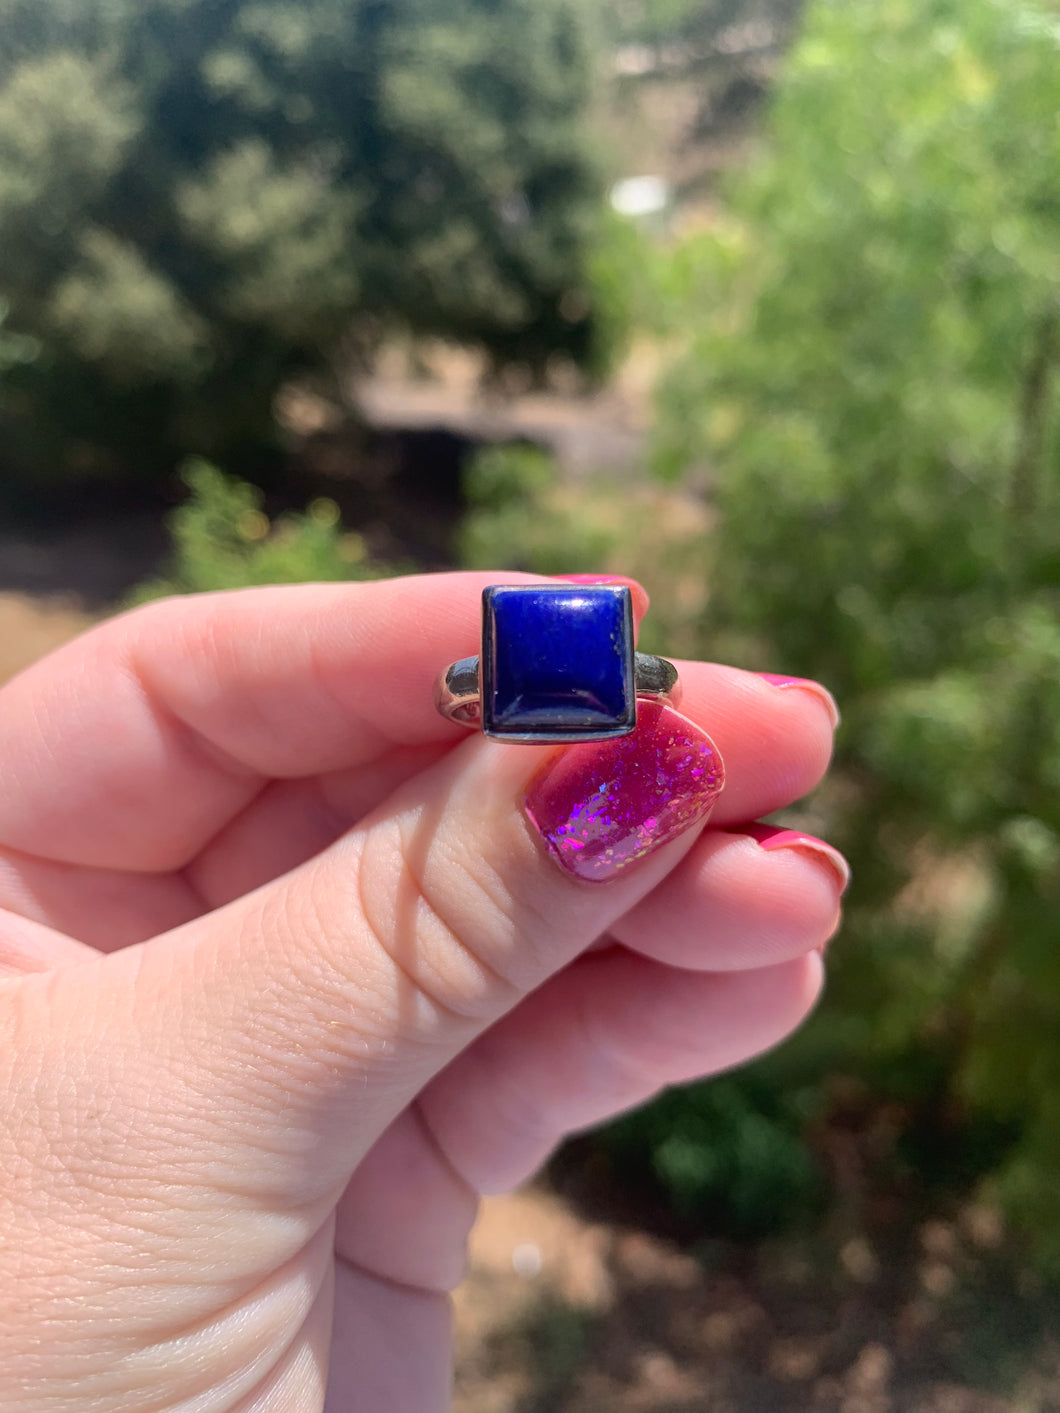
[603,805]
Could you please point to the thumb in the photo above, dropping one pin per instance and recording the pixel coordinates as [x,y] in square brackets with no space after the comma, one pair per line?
[271,1042]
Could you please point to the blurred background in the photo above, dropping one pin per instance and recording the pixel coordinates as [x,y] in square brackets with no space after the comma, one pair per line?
[757,300]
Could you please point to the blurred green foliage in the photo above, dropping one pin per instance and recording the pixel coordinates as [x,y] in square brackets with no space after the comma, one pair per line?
[872,332]
[198,200]
[14,348]
[222,539]
[875,394]
[729,1154]
[520,513]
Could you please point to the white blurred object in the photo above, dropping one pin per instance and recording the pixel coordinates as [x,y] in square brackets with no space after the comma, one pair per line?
[640,196]
[527,1261]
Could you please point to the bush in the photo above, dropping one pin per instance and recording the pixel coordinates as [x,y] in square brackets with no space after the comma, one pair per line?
[222,539]
[727,1156]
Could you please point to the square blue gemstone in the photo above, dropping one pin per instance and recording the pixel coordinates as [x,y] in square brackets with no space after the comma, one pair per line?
[557,663]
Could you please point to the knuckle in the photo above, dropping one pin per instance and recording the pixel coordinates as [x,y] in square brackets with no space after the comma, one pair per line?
[441,923]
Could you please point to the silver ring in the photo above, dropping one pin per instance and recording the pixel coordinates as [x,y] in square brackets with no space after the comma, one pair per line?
[557,664]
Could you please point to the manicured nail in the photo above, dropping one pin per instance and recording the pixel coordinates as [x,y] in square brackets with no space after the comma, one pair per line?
[769,836]
[807,685]
[603,805]
[641,600]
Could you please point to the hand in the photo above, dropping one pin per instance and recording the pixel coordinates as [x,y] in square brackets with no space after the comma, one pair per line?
[290,978]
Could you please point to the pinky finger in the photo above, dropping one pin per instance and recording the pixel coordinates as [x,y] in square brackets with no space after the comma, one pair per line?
[599,1038]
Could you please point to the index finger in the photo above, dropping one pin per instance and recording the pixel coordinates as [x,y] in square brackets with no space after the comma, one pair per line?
[133,745]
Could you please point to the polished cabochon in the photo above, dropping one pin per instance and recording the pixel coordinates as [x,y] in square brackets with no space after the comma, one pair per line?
[557,662]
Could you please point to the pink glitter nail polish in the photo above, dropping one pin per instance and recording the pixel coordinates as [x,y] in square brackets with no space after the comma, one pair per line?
[603,805]
[771,836]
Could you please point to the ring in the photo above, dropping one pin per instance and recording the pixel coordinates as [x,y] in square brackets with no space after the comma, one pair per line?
[557,664]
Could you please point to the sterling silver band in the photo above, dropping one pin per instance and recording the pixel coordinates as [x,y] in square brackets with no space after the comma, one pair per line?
[457,693]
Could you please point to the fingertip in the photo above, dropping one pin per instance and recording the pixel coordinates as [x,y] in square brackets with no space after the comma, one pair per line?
[776,999]
[776,744]
[731,905]
[815,974]
[817,690]
[791,884]
[771,837]
[805,713]
[638,593]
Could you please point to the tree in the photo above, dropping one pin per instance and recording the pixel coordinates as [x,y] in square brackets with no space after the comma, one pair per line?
[872,382]
[199,198]
[730,49]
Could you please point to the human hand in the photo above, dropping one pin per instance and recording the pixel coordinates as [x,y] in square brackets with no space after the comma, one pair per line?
[289,979]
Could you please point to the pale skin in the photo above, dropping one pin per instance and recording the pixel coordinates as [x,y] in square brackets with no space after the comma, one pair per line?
[288,981]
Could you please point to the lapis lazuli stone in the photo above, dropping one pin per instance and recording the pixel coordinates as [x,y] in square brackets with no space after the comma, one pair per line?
[557,663]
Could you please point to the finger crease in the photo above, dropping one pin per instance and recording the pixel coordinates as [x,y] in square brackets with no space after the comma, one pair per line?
[423,1292]
[491,974]
[436,999]
[196,741]
[435,1144]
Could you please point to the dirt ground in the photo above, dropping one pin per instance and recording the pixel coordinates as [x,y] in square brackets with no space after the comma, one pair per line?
[30,627]
[560,1314]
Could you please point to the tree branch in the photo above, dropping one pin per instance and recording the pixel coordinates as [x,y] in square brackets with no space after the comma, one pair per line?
[1034,410]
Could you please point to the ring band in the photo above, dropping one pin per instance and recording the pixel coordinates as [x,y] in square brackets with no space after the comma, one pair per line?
[557,664]
[457,694]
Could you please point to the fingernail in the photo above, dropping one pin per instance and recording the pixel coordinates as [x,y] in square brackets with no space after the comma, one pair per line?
[807,685]
[769,836]
[641,600]
[602,806]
